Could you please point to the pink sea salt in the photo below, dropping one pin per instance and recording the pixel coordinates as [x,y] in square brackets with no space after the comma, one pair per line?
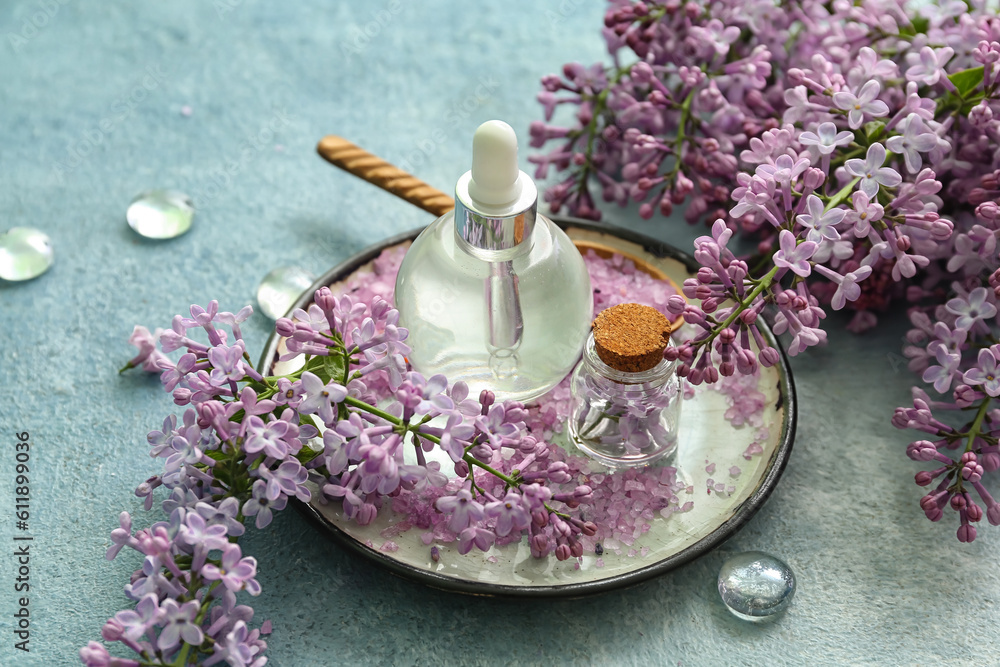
[623,503]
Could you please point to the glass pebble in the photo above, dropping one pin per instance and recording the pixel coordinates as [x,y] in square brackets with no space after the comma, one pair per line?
[160,214]
[756,586]
[281,288]
[25,253]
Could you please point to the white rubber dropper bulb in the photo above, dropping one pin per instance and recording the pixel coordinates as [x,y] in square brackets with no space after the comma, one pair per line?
[495,174]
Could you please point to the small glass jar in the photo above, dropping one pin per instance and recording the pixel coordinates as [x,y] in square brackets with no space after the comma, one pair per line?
[624,419]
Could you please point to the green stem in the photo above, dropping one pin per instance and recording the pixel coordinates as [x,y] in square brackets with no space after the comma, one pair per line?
[473,461]
[744,303]
[361,405]
[182,656]
[842,195]
[980,415]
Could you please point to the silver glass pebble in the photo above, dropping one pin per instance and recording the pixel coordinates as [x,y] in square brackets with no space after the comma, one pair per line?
[160,214]
[25,253]
[756,586]
[281,288]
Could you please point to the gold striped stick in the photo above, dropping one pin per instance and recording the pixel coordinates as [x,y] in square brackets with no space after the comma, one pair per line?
[356,160]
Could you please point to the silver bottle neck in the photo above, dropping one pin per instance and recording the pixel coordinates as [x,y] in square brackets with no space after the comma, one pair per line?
[505,229]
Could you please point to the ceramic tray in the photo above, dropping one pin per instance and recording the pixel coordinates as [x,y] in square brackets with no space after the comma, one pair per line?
[705,435]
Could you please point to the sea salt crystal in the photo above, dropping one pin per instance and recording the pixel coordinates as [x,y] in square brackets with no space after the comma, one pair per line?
[390,547]
[710,468]
[735,471]
[624,503]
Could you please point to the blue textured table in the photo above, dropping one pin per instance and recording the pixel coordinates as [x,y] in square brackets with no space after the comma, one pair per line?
[91,112]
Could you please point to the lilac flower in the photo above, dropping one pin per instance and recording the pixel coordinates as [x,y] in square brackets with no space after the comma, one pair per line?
[985,373]
[227,363]
[321,398]
[821,224]
[95,655]
[463,509]
[456,437]
[120,536]
[197,532]
[864,102]
[481,538]
[179,624]
[716,35]
[234,571]
[916,139]
[509,513]
[871,172]
[825,140]
[434,398]
[239,648]
[151,359]
[847,285]
[792,256]
[868,66]
[972,309]
[501,421]
[270,438]
[289,393]
[223,514]
[943,373]
[866,211]
[289,479]
[262,502]
[927,66]
[136,623]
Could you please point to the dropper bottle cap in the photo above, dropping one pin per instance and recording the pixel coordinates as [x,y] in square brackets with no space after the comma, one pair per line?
[495,202]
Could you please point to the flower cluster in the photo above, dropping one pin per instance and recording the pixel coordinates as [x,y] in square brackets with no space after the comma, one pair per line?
[185,593]
[338,425]
[851,150]
[954,349]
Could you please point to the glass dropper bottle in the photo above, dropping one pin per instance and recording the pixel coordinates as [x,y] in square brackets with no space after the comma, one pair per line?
[494,294]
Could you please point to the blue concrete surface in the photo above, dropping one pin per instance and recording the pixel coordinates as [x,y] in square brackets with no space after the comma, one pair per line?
[91,104]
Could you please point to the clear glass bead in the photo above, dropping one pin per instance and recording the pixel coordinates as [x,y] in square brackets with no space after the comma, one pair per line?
[25,253]
[281,288]
[624,419]
[458,308]
[160,214]
[756,586]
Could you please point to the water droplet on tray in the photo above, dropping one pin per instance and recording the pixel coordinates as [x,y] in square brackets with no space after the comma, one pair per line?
[25,253]
[281,288]
[160,214]
[756,586]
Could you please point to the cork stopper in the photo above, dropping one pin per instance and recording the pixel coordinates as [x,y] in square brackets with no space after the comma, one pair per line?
[630,337]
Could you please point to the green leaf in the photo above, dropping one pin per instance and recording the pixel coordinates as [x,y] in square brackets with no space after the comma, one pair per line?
[307,454]
[920,24]
[217,455]
[873,130]
[334,366]
[967,80]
